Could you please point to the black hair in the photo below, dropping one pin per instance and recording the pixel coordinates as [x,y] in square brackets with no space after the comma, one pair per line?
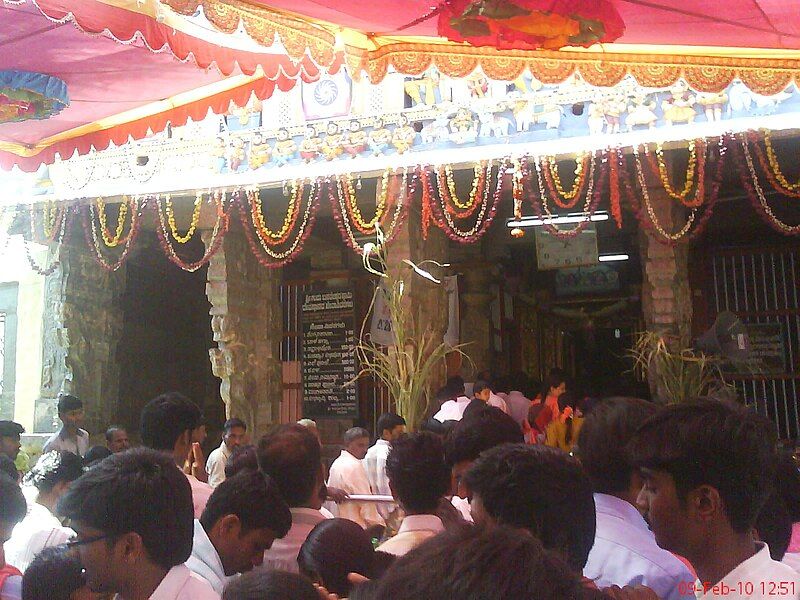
[387,422]
[111,431]
[291,455]
[455,386]
[231,423]
[254,499]
[68,402]
[418,474]
[605,434]
[52,468]
[774,526]
[275,585]
[479,432]
[554,379]
[13,507]
[541,489]
[54,574]
[7,467]
[94,455]
[242,457]
[11,429]
[787,481]
[475,563]
[706,442]
[334,548]
[479,386]
[140,491]
[436,427]
[166,418]
[354,433]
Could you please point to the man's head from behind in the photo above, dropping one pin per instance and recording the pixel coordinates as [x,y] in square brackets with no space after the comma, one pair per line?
[473,435]
[131,512]
[481,391]
[117,439]
[538,488]
[707,468]
[12,510]
[356,441]
[244,515]
[604,437]
[390,426]
[234,432]
[9,438]
[53,474]
[291,456]
[167,423]
[418,475]
[70,411]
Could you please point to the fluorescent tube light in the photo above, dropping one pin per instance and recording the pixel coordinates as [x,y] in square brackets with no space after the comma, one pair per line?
[557,220]
[612,257]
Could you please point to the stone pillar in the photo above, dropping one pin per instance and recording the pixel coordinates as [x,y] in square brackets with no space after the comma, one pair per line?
[246,320]
[476,316]
[666,296]
[81,329]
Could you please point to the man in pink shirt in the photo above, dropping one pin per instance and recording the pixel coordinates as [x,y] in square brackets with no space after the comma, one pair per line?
[166,425]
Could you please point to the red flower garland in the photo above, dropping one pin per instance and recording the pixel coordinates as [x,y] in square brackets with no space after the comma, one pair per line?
[762,160]
[91,236]
[547,167]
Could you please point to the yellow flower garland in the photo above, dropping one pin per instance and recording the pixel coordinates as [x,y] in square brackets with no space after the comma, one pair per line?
[579,175]
[182,239]
[288,220]
[776,167]
[50,218]
[690,170]
[451,186]
[117,239]
[380,206]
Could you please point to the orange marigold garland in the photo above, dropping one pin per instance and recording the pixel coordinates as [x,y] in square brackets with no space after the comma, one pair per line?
[613,190]
[772,168]
[549,168]
[696,166]
[267,235]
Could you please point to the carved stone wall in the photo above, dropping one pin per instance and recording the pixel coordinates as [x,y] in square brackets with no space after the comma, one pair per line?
[246,320]
[82,325]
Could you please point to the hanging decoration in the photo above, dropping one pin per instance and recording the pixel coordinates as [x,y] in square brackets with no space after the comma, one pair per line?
[772,168]
[541,199]
[696,165]
[756,193]
[530,24]
[342,200]
[565,199]
[115,239]
[54,228]
[267,235]
[614,197]
[218,200]
[275,259]
[94,241]
[443,202]
[26,95]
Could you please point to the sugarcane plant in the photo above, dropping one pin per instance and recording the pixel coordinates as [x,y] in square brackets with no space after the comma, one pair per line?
[675,373]
[408,365]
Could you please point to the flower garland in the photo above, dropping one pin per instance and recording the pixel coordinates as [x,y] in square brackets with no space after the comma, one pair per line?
[615,202]
[173,227]
[697,164]
[267,235]
[447,187]
[62,234]
[646,214]
[306,225]
[351,202]
[112,241]
[214,243]
[540,200]
[336,196]
[52,218]
[486,213]
[756,195]
[772,168]
[551,177]
[90,233]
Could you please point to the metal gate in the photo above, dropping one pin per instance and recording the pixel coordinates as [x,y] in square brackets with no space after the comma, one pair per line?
[761,285]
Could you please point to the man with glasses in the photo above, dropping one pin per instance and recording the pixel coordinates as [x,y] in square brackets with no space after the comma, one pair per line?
[133,518]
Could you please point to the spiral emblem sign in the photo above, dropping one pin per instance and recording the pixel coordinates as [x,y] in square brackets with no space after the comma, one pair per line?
[326,92]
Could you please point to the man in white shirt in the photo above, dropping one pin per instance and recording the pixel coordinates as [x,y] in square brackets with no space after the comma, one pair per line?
[233,433]
[166,425]
[133,518]
[453,409]
[244,515]
[347,474]
[708,469]
[70,438]
[44,485]
[624,551]
[291,456]
[389,428]
[419,479]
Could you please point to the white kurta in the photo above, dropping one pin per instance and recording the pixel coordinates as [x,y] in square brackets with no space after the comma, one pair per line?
[375,466]
[414,530]
[452,410]
[181,584]
[59,441]
[215,465]
[201,492]
[348,474]
[205,560]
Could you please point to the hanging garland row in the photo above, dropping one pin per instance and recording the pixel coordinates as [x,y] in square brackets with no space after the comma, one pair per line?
[463,218]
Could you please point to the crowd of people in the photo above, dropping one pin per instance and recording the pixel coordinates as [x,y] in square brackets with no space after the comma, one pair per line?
[501,494]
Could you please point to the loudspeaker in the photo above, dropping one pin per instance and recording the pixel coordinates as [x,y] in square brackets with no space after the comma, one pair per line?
[727,338]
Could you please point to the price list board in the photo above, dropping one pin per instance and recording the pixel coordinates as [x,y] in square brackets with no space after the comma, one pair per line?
[328,358]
